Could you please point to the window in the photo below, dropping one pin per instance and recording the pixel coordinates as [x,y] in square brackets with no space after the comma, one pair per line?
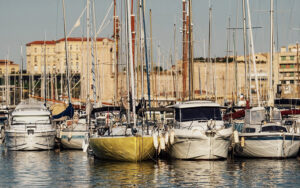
[0,71]
[292,57]
[35,59]
[292,66]
[283,58]
[291,74]
[35,50]
[292,81]
[195,114]
[35,67]
[274,128]
[13,70]
[250,130]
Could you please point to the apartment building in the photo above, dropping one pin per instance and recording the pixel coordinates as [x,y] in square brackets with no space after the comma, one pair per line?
[52,55]
[9,66]
[289,71]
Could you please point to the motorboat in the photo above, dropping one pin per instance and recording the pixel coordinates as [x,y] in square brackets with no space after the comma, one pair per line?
[30,127]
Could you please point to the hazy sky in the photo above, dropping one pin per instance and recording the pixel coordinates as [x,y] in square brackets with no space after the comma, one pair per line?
[23,21]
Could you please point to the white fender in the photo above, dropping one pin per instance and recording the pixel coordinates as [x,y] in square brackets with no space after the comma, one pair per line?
[155,141]
[166,138]
[70,135]
[162,144]
[85,142]
[236,136]
[172,135]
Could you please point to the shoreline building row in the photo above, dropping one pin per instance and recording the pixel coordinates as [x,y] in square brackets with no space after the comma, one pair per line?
[213,79]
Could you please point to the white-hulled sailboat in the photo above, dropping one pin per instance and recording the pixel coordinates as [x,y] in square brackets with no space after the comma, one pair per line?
[270,139]
[264,134]
[199,132]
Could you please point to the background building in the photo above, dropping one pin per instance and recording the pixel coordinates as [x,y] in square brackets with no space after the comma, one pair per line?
[52,55]
[288,72]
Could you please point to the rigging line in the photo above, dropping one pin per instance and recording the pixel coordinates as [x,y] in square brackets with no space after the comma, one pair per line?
[108,11]
[77,23]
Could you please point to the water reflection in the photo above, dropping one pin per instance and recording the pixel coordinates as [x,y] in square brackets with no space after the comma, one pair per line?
[123,174]
[76,169]
[43,168]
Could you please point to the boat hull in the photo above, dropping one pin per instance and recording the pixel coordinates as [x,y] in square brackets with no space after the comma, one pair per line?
[194,145]
[72,139]
[123,148]
[269,146]
[25,141]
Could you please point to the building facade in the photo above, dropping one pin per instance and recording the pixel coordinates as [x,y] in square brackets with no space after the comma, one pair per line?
[288,71]
[52,55]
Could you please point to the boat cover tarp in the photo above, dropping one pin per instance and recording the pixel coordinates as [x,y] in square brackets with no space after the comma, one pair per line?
[69,111]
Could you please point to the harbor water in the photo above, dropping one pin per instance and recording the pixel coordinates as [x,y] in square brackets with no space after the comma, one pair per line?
[77,169]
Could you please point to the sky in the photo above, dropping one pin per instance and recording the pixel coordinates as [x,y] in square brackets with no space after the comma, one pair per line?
[24,21]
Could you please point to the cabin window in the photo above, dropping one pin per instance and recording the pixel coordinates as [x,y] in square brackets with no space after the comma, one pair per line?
[198,113]
[249,130]
[273,128]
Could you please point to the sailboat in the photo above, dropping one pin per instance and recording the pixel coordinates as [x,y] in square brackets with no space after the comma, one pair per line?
[264,134]
[199,131]
[126,142]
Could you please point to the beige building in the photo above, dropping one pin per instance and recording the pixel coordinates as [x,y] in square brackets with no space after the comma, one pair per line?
[52,54]
[288,71]
[8,66]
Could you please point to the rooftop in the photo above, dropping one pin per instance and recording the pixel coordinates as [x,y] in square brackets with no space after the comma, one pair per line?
[49,42]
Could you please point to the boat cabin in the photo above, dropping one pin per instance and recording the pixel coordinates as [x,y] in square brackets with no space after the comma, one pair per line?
[197,111]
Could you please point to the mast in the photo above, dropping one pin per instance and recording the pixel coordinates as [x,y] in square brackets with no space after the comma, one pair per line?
[146,54]
[184,49]
[252,53]
[139,51]
[271,93]
[88,50]
[227,61]
[21,79]
[151,56]
[6,81]
[235,60]
[245,43]
[298,68]
[131,62]
[209,47]
[191,57]
[66,49]
[94,53]
[45,73]
[116,37]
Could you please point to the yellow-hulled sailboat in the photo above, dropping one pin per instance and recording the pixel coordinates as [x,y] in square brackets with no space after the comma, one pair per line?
[123,148]
[124,143]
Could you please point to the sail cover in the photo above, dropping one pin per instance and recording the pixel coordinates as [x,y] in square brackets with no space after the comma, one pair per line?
[69,111]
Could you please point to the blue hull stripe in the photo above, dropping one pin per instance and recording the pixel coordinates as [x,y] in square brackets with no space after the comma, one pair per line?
[272,138]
